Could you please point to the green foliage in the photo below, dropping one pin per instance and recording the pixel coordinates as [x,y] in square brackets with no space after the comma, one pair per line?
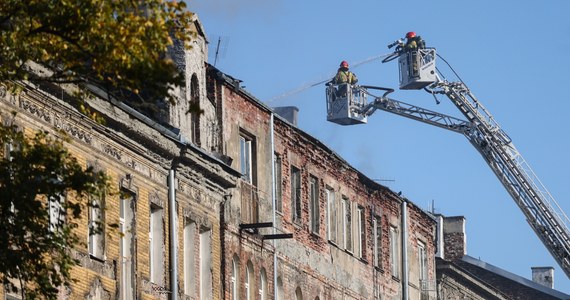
[118,44]
[35,173]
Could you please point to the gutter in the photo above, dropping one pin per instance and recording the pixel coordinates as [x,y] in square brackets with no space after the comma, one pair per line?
[274,205]
[405,295]
[173,235]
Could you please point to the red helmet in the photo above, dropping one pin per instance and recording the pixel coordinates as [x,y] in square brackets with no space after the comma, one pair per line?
[410,35]
[344,64]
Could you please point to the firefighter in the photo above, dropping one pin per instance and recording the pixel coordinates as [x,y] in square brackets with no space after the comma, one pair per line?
[343,77]
[413,42]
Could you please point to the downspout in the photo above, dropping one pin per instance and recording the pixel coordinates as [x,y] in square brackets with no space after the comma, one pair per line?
[405,250]
[274,204]
[173,236]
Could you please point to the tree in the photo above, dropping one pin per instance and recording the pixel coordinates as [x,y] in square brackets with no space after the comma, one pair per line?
[43,190]
[118,44]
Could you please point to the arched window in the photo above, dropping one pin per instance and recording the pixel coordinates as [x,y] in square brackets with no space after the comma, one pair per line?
[280,290]
[249,282]
[234,285]
[263,285]
[298,294]
[194,108]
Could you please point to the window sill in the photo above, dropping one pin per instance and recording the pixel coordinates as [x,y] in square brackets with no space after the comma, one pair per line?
[98,259]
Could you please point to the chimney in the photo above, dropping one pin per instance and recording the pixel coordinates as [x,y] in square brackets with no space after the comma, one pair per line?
[289,113]
[455,242]
[543,276]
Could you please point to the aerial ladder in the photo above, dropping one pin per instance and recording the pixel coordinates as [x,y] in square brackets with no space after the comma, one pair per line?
[417,71]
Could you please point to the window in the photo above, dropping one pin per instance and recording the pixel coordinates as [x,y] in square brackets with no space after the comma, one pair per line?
[347,224]
[314,203]
[280,290]
[156,238]
[127,245]
[194,106]
[331,214]
[206,263]
[263,285]
[422,261]
[96,227]
[296,194]
[234,288]
[361,239]
[278,183]
[394,253]
[249,286]
[377,231]
[56,210]
[190,258]
[246,157]
[298,294]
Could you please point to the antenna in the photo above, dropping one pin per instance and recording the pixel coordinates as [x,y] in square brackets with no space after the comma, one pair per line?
[220,48]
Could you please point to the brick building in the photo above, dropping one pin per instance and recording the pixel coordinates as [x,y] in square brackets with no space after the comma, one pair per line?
[461,276]
[351,237]
[234,203]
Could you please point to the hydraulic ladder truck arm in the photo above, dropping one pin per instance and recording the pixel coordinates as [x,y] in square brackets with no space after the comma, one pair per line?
[417,71]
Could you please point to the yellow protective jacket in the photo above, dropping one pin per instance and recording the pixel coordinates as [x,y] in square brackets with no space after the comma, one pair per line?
[344,76]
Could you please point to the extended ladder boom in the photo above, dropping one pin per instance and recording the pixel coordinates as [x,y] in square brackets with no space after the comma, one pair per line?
[543,213]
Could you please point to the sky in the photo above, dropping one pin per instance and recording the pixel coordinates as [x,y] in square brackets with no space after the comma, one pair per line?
[511,54]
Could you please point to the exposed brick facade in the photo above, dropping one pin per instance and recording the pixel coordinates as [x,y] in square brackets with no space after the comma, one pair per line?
[211,198]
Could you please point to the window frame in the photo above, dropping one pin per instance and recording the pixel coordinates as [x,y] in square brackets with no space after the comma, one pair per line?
[278,181]
[156,236]
[190,230]
[347,224]
[377,232]
[314,193]
[332,215]
[96,228]
[296,199]
[422,262]
[394,252]
[247,155]
[361,230]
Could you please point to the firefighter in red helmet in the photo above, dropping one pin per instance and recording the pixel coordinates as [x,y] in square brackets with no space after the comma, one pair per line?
[343,75]
[413,42]
[342,78]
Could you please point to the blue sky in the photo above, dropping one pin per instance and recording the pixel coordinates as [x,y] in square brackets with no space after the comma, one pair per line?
[511,54]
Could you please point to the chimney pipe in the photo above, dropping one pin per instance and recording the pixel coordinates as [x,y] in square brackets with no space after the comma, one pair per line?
[544,276]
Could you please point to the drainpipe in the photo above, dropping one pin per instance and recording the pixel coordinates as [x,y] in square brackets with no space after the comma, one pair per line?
[405,250]
[173,236]
[274,205]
